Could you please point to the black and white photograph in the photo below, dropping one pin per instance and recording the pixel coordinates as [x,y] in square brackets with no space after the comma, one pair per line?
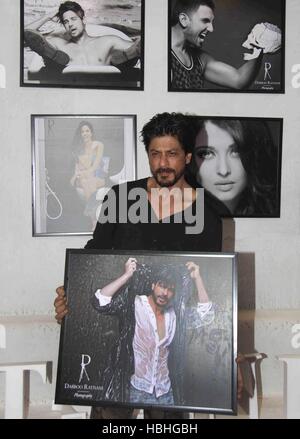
[226,46]
[75,161]
[149,329]
[238,162]
[82,44]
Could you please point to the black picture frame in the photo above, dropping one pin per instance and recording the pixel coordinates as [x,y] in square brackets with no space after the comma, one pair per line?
[96,348]
[232,24]
[63,201]
[249,149]
[101,19]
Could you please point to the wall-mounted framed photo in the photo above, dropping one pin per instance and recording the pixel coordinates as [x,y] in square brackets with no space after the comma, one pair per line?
[226,46]
[83,44]
[149,329]
[237,160]
[75,160]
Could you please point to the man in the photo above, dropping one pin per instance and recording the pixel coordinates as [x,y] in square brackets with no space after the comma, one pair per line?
[148,332]
[192,21]
[169,140]
[77,47]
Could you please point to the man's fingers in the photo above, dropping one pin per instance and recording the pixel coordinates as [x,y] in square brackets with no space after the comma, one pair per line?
[131,264]
[60,301]
[60,291]
[240,383]
[60,304]
[191,265]
[60,316]
[60,308]
[62,312]
[240,358]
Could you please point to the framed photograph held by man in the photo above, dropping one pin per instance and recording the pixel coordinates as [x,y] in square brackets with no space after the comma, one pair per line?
[149,329]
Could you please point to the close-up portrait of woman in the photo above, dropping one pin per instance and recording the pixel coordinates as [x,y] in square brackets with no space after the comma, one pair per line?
[238,162]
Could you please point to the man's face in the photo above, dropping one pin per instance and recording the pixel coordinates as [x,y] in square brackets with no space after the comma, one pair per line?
[162,294]
[73,24]
[167,160]
[197,25]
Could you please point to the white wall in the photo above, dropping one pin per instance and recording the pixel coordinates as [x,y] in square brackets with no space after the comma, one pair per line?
[31,268]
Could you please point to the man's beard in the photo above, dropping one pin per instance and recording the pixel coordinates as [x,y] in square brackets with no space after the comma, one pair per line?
[166,305]
[162,182]
[77,37]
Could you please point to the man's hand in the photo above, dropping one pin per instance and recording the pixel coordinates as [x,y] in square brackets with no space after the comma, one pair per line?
[193,269]
[240,382]
[195,275]
[60,304]
[121,56]
[130,267]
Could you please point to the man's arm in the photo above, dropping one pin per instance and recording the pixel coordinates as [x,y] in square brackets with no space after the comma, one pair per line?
[114,286]
[36,24]
[60,303]
[123,51]
[227,76]
[195,275]
[204,313]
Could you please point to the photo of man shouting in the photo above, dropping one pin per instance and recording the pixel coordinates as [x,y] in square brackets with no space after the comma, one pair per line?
[208,38]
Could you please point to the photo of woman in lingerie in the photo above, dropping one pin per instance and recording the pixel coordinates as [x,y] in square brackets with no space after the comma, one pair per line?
[90,167]
[76,159]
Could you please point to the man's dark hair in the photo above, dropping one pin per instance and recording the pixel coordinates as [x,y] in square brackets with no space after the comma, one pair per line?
[70,6]
[165,276]
[170,124]
[187,6]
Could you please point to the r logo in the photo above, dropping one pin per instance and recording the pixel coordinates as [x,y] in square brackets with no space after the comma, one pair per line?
[85,360]
[268,67]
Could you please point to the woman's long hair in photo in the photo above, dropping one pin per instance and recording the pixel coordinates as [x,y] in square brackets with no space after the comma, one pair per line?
[259,157]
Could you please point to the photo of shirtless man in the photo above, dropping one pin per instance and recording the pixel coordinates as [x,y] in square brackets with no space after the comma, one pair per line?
[75,51]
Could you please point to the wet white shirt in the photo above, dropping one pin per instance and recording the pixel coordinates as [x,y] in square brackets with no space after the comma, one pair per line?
[151,372]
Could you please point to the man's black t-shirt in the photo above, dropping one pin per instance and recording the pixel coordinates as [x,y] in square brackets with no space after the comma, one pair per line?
[159,236]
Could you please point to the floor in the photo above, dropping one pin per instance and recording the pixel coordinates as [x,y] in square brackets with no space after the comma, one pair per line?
[271,408]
